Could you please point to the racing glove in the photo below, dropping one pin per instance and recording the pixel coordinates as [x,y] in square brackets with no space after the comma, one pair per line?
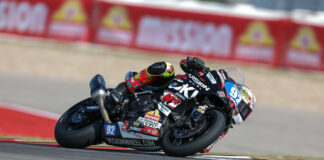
[190,64]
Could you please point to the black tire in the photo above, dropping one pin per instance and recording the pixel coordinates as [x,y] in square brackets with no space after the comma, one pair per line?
[79,138]
[214,130]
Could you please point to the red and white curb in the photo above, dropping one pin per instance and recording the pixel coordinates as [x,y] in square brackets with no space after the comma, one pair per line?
[17,120]
[29,110]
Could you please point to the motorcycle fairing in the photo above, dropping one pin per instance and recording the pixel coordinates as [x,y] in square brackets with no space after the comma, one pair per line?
[130,142]
[170,99]
[190,86]
[119,131]
[164,109]
[233,93]
[110,129]
[180,90]
[129,134]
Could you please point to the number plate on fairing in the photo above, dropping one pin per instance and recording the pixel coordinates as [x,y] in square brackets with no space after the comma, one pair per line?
[233,92]
[110,129]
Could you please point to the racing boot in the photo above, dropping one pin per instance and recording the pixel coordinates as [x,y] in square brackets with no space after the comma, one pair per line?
[149,75]
[119,92]
[156,71]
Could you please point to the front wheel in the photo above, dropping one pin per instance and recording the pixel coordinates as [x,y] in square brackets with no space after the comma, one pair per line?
[213,128]
[76,130]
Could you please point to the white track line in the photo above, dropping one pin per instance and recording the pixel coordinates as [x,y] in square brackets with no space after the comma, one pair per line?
[30,110]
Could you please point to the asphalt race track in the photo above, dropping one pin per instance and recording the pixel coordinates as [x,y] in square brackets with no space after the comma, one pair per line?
[17,151]
[269,130]
[11,151]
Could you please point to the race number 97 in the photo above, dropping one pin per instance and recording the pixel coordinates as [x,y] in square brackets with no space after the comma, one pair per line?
[110,129]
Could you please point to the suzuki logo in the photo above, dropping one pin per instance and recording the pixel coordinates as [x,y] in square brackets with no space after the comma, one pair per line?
[184,90]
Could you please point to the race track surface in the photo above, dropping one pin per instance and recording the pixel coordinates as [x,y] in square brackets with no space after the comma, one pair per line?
[269,130]
[16,151]
[12,151]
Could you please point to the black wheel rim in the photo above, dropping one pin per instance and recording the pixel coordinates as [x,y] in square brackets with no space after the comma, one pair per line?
[175,139]
[69,125]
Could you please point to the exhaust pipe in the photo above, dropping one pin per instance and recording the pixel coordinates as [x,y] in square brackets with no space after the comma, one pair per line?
[98,93]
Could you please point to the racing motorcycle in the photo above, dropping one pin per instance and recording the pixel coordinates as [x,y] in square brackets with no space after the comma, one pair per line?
[186,115]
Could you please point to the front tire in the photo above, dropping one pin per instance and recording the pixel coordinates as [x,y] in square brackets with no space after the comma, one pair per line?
[77,136]
[214,130]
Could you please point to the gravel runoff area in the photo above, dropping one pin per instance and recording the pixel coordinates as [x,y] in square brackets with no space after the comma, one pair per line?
[80,61]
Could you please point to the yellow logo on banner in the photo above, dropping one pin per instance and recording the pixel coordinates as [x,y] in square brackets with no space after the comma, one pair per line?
[117,17]
[257,33]
[71,11]
[305,40]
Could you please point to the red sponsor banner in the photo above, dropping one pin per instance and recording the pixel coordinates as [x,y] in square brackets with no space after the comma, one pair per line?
[115,24]
[260,41]
[24,17]
[189,33]
[60,19]
[210,35]
[304,47]
[70,19]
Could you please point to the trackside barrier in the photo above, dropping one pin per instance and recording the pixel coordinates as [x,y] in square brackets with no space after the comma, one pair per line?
[59,19]
[275,42]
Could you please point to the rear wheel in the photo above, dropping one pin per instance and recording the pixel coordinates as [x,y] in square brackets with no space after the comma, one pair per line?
[77,130]
[176,142]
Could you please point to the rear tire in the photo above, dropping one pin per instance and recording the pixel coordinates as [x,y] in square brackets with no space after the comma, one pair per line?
[81,137]
[213,131]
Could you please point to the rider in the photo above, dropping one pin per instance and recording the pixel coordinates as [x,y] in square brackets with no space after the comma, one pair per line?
[160,72]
